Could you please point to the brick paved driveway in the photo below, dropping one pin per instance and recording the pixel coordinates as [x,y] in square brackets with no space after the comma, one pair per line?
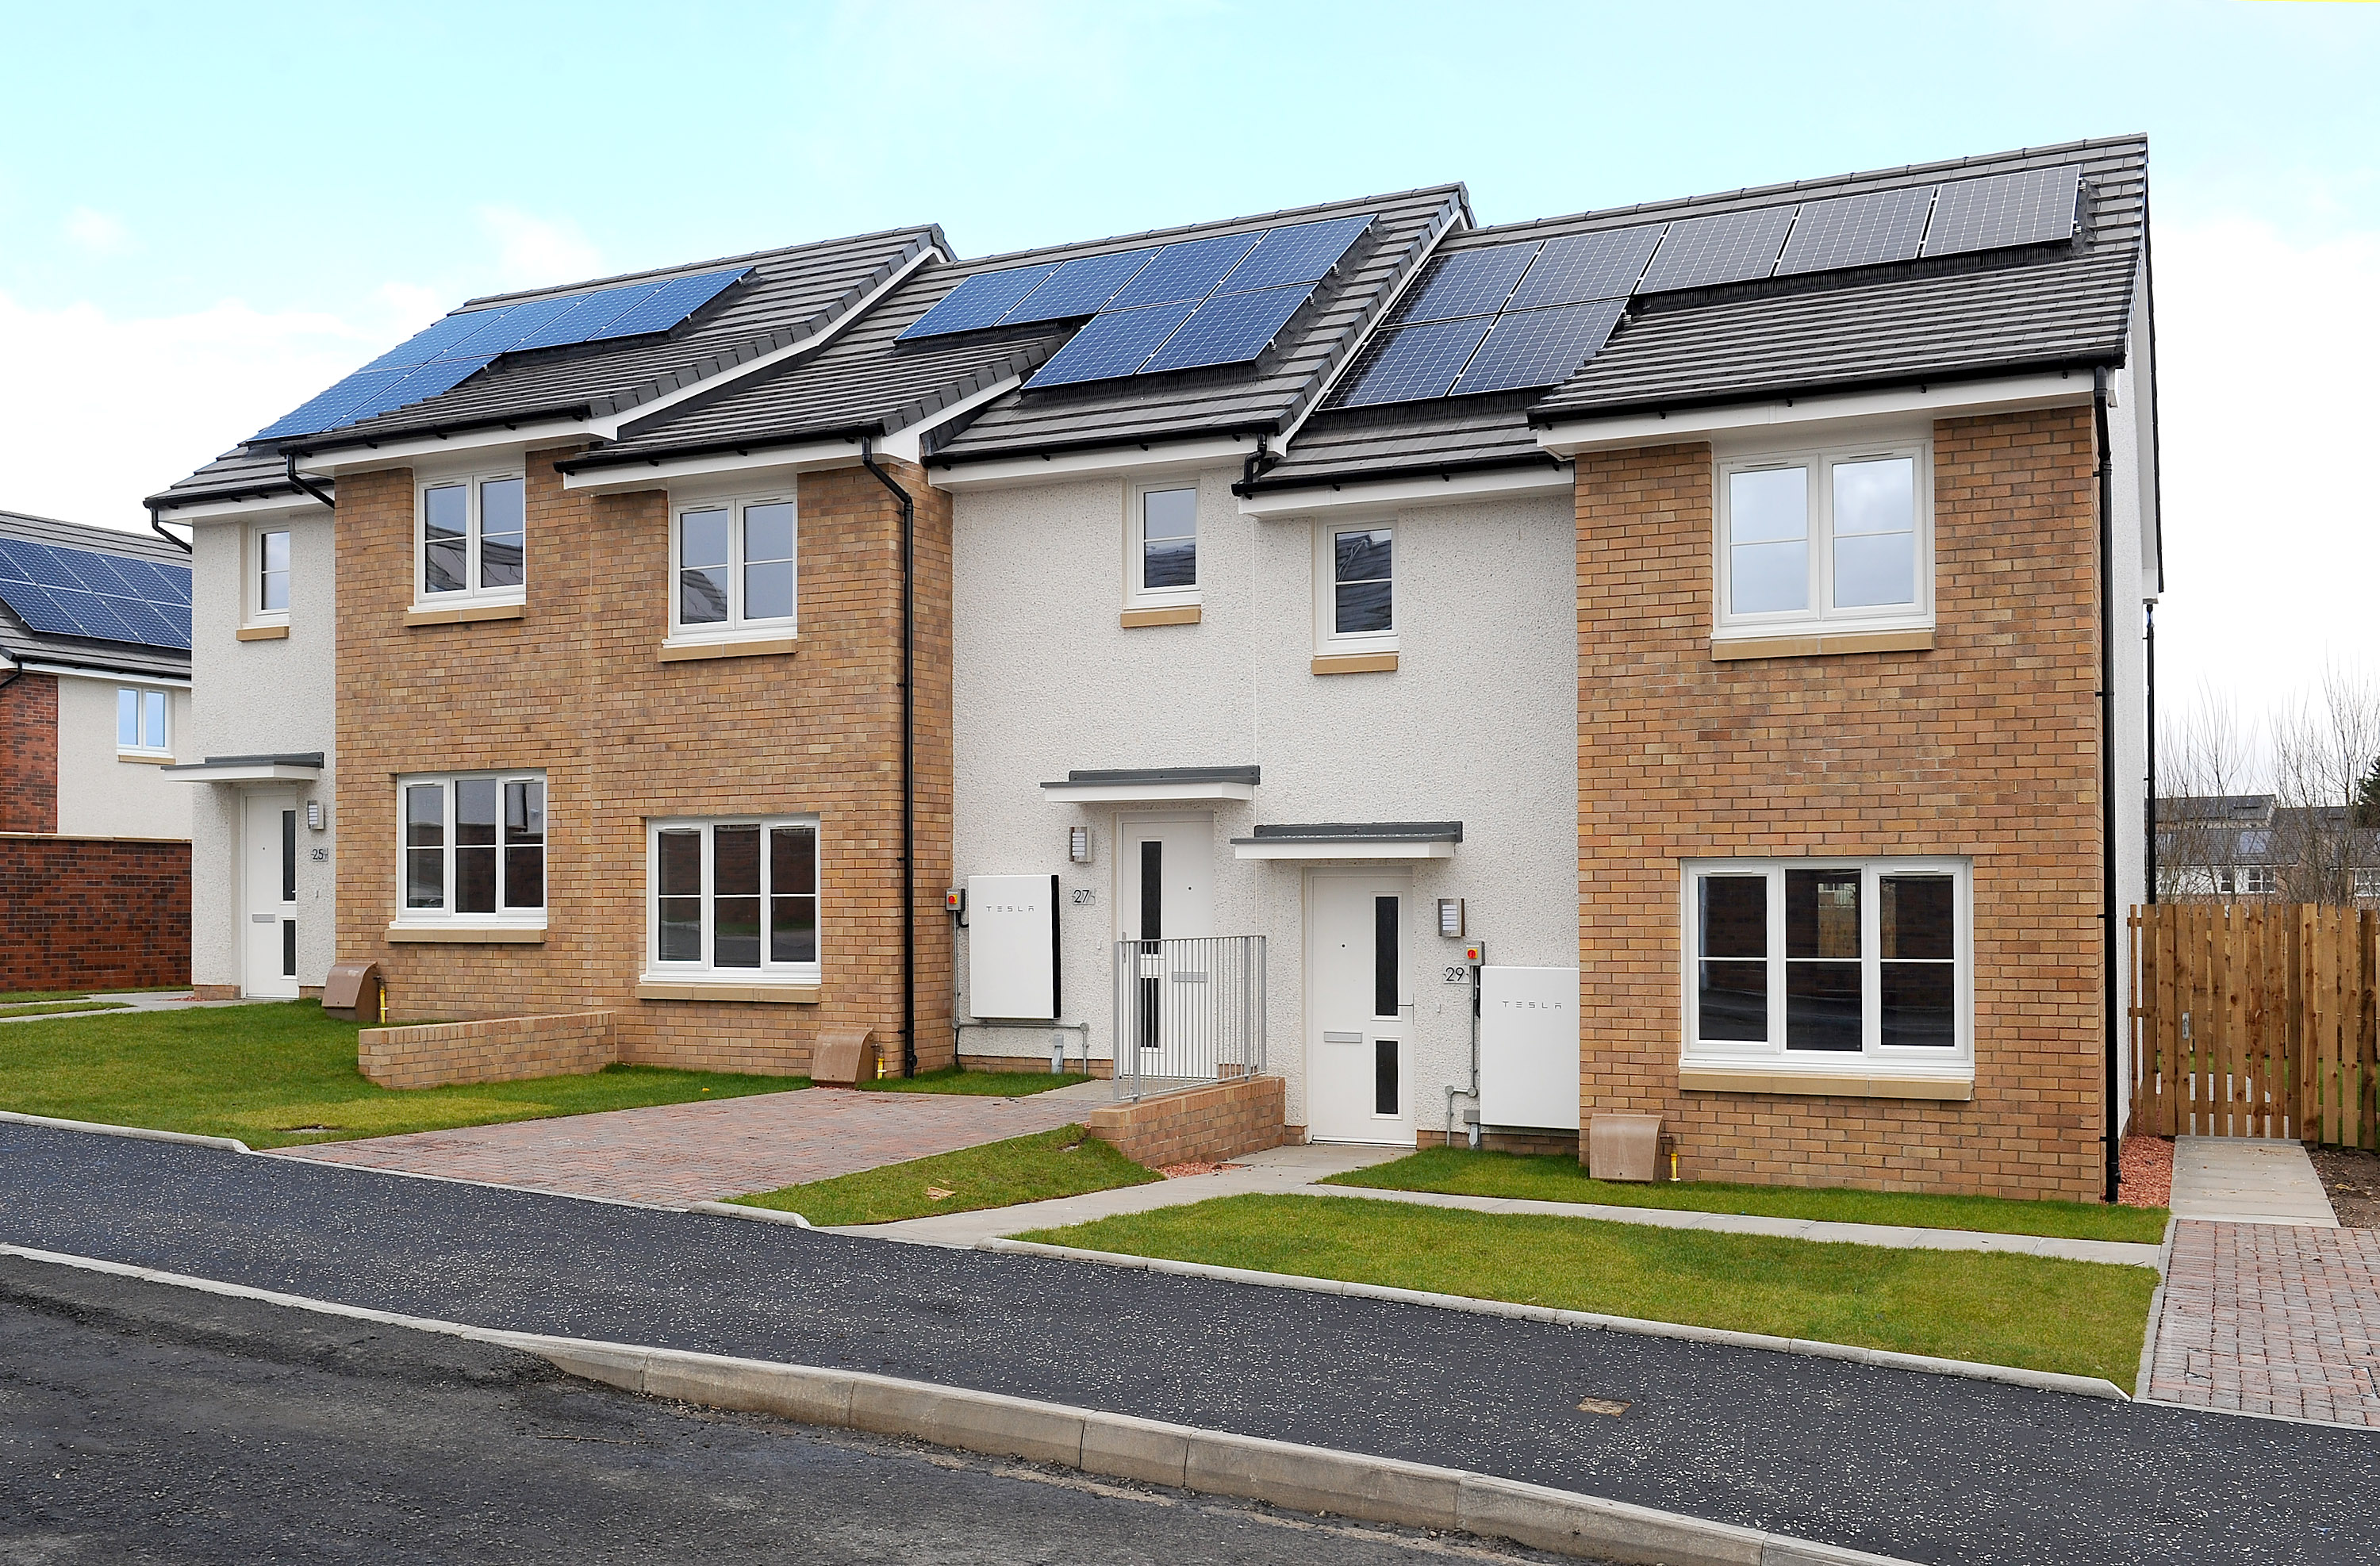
[2272,1319]
[674,1154]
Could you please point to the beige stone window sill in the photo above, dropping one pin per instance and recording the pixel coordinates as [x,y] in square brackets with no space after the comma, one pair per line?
[1827,1085]
[262,633]
[468,935]
[1918,640]
[1355,663]
[1179,615]
[464,613]
[755,647]
[144,759]
[765,994]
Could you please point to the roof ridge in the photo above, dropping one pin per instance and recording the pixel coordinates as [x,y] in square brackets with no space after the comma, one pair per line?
[1456,187]
[690,269]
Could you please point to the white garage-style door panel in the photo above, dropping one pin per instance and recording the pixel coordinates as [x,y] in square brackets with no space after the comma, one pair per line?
[269,900]
[1359,1010]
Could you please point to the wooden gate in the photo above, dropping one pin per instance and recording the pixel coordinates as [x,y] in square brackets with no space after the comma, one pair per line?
[2255,1020]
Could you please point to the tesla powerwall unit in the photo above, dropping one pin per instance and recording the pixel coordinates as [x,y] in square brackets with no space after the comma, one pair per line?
[1013,947]
[1528,1047]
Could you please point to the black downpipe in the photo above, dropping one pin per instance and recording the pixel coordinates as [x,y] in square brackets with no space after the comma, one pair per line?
[308,485]
[2150,638]
[158,527]
[908,757]
[2107,757]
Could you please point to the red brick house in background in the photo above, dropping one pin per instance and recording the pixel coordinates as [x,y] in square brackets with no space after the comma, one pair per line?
[95,691]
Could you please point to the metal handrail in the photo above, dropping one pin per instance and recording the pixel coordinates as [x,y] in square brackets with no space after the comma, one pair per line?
[1189,1011]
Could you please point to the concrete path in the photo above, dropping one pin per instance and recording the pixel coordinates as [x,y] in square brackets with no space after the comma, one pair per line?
[675,1154]
[137,1000]
[2243,1180]
[1926,1467]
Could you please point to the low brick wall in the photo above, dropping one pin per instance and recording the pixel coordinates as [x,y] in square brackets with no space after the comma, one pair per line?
[93,913]
[1196,1125]
[1566,1143]
[501,1049]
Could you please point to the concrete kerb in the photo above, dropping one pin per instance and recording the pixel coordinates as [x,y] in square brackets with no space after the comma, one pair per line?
[759,1215]
[226,1144]
[2156,1314]
[2010,1375]
[1116,1446]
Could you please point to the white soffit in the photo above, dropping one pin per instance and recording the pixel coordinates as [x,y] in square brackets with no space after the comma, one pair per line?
[1410,493]
[241,771]
[1946,400]
[659,471]
[255,508]
[1008,472]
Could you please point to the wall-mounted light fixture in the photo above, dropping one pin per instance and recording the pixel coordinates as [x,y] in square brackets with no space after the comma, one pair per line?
[1450,918]
[1079,844]
[313,815]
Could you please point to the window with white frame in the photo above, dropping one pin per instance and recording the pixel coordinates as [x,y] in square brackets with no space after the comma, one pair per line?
[473,536]
[474,848]
[1819,964]
[143,719]
[1356,602]
[267,600]
[735,899]
[1840,539]
[733,567]
[1161,545]
[2257,880]
[2367,885]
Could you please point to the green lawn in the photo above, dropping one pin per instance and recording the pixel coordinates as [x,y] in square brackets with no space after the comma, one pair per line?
[2080,1318]
[984,1084]
[55,1008]
[1556,1178]
[1064,1163]
[260,1073]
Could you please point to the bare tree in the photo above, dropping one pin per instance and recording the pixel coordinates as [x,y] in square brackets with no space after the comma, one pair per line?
[2202,805]
[2324,755]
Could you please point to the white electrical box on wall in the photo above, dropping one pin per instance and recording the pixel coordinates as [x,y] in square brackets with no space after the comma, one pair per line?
[1528,1047]
[1013,947]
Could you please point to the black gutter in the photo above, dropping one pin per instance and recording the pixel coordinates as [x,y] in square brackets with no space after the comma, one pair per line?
[2106,762]
[908,757]
[1413,471]
[158,527]
[654,456]
[306,485]
[1543,416]
[1046,449]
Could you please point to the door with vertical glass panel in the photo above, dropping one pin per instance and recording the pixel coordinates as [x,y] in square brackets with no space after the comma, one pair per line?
[268,894]
[1165,892]
[1359,1007]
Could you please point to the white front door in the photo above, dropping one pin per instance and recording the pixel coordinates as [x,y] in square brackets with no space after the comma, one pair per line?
[1165,873]
[269,898]
[1359,1007]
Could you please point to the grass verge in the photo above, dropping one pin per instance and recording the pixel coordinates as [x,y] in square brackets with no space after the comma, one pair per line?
[2079,1318]
[1064,1163]
[982,1084]
[260,1073]
[1556,1178]
[56,1008]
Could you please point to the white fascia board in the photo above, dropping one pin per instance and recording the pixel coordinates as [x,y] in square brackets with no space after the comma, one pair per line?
[1350,848]
[906,444]
[2008,394]
[1009,472]
[660,472]
[1143,793]
[1405,495]
[245,772]
[105,676]
[255,508]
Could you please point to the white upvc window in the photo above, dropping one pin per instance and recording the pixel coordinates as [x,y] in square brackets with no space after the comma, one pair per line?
[470,535]
[144,722]
[473,848]
[2367,885]
[267,597]
[734,899]
[1827,965]
[1354,580]
[1160,568]
[731,571]
[1839,540]
[2258,880]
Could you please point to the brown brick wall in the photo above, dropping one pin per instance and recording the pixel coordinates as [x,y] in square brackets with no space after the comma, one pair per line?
[29,754]
[575,687]
[1198,1124]
[89,913]
[1985,747]
[504,1049]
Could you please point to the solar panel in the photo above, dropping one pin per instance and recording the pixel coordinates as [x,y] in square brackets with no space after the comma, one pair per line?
[1539,347]
[671,303]
[1230,328]
[1188,270]
[329,409]
[1081,287]
[2033,206]
[1700,252]
[979,301]
[1111,344]
[1587,266]
[1303,252]
[426,344]
[439,375]
[582,316]
[1411,363]
[75,593]
[1883,226]
[1466,282]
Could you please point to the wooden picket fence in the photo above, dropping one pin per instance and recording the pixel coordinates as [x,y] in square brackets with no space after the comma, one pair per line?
[2255,1020]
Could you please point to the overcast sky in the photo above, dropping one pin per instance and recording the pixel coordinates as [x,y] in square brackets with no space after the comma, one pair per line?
[208,213]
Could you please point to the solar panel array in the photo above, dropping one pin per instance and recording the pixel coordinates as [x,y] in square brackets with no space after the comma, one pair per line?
[449,351]
[1530,313]
[80,592]
[1220,299]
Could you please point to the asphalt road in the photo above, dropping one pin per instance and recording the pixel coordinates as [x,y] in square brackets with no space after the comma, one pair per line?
[1930,1468]
[143,1422]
